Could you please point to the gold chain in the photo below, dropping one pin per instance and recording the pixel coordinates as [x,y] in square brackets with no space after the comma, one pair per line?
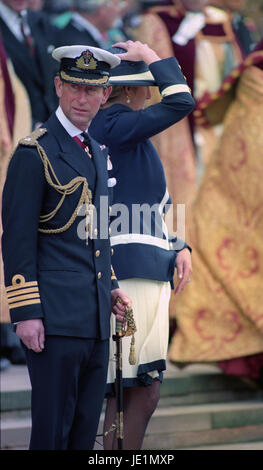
[129,329]
[64,190]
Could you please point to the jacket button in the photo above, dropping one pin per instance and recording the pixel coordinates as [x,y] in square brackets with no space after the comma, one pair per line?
[99,275]
[111,251]
[97,253]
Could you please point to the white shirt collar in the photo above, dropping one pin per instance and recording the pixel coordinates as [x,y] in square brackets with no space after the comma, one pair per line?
[12,20]
[72,130]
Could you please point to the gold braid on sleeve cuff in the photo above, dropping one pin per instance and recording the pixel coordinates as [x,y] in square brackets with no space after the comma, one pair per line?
[22,293]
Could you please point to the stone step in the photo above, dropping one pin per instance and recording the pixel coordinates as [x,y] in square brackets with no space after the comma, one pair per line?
[195,384]
[171,427]
[15,429]
[204,425]
[239,446]
[207,439]
[205,417]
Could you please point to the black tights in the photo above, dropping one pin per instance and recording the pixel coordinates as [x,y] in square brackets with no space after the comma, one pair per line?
[139,404]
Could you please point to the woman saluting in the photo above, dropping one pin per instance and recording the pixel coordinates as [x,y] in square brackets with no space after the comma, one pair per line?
[143,259]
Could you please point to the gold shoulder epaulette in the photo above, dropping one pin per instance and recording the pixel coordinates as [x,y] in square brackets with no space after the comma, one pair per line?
[31,139]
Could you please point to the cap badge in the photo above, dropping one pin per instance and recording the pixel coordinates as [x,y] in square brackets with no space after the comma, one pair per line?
[86,61]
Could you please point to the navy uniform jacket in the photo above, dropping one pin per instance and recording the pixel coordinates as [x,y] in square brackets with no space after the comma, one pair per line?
[37,72]
[56,277]
[140,175]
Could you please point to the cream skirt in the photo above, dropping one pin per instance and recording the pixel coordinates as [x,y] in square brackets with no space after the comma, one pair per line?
[150,303]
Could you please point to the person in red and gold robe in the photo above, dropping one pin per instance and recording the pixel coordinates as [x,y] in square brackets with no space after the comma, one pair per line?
[221,318]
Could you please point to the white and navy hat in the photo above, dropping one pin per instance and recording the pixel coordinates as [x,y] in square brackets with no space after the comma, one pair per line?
[85,65]
[130,73]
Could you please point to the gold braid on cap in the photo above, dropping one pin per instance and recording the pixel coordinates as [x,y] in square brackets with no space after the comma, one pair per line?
[83,80]
[64,190]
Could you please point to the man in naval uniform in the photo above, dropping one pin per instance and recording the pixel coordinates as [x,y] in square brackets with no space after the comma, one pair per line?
[60,285]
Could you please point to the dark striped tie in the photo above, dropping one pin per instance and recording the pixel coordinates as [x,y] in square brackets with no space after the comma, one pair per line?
[86,142]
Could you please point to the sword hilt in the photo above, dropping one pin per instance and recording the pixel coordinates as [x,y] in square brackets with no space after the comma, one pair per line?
[119,328]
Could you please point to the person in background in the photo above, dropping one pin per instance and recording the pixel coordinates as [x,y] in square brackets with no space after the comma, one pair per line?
[15,121]
[36,5]
[6,125]
[29,40]
[54,9]
[88,22]
[206,44]
[143,256]
[57,264]
[222,319]
[243,27]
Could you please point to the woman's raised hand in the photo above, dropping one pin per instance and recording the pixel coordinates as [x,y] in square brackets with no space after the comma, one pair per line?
[137,51]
